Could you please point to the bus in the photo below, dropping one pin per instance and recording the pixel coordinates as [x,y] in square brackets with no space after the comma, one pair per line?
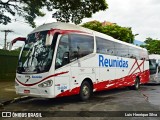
[154,67]
[61,59]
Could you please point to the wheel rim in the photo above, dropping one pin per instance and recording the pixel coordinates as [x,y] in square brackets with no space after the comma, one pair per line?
[137,84]
[85,90]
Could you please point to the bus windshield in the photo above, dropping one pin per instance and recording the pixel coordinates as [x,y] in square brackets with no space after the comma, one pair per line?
[35,56]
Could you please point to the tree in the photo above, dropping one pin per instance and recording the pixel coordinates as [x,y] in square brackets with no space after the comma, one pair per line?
[18,49]
[152,45]
[29,9]
[66,10]
[122,33]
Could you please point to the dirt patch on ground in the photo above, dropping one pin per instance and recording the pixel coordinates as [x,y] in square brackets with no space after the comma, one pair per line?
[7,91]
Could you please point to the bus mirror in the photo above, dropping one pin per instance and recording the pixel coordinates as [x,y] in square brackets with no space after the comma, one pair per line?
[15,40]
[49,38]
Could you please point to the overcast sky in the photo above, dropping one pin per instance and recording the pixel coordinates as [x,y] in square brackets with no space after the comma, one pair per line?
[142,15]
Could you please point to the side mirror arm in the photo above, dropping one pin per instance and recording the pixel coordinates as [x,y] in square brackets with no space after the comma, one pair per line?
[15,40]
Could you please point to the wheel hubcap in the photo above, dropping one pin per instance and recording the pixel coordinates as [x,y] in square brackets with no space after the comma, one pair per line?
[85,91]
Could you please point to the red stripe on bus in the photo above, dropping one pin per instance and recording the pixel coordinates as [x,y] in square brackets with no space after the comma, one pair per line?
[110,84]
[54,75]
[53,31]
[74,91]
[138,67]
[132,66]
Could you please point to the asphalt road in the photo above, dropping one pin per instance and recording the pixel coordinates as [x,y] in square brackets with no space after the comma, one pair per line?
[119,101]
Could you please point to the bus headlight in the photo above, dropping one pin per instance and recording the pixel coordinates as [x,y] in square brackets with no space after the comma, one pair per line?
[47,83]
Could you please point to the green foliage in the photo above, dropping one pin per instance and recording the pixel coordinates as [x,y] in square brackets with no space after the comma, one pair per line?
[66,10]
[9,53]
[8,64]
[29,9]
[18,49]
[94,25]
[76,10]
[122,33]
[152,45]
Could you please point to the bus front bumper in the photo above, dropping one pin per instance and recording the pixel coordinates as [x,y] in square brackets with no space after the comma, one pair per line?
[34,92]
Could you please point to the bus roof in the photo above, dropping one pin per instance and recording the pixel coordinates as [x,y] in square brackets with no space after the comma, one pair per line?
[154,56]
[67,26]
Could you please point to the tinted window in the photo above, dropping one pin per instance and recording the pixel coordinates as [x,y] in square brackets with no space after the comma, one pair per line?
[152,66]
[36,57]
[134,53]
[80,46]
[121,50]
[105,46]
[63,48]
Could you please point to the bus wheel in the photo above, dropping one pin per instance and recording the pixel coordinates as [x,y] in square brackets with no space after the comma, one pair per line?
[85,91]
[136,86]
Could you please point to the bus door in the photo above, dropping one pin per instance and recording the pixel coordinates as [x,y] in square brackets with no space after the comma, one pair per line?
[62,67]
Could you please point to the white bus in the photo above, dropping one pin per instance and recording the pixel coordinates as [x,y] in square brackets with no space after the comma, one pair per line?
[154,66]
[60,59]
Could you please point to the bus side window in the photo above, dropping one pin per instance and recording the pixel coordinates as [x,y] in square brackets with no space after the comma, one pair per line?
[80,46]
[105,46]
[121,50]
[63,48]
[134,53]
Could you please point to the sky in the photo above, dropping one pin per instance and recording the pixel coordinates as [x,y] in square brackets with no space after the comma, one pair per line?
[141,15]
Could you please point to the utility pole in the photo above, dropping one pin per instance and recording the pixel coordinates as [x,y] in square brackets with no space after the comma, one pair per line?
[5,39]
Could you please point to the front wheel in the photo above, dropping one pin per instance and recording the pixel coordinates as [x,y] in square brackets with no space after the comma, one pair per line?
[136,86]
[85,91]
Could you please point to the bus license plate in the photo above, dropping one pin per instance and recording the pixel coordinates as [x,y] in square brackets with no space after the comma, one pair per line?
[27,91]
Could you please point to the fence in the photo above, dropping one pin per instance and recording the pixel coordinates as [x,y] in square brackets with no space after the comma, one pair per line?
[8,64]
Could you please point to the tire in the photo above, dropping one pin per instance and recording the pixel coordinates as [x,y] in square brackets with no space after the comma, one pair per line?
[85,91]
[136,85]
